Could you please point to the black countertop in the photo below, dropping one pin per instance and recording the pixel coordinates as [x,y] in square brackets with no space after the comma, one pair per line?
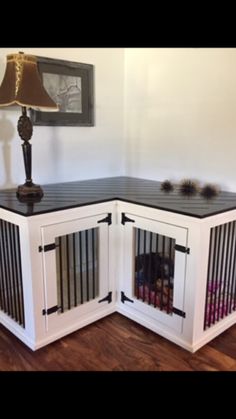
[60,196]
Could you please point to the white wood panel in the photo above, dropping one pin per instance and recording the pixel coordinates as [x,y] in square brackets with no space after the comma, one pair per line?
[49,233]
[180,235]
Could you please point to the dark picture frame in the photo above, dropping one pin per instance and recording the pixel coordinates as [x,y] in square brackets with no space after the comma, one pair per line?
[71,86]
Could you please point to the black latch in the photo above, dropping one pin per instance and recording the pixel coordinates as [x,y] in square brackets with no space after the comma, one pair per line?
[106,219]
[124,298]
[48,247]
[182,249]
[179,312]
[125,219]
[108,298]
[50,310]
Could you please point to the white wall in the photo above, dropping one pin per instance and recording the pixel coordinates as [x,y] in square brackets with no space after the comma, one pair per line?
[180,114]
[70,153]
[176,119]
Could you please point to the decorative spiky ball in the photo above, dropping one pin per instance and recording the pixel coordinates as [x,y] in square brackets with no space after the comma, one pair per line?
[209,191]
[167,186]
[188,187]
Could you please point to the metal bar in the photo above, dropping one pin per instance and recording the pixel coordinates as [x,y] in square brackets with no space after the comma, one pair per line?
[87,263]
[216,264]
[6,263]
[68,270]
[150,269]
[230,278]
[170,270]
[233,287]
[138,258]
[81,267]
[155,270]
[2,267]
[74,269]
[207,320]
[226,278]
[162,271]
[221,272]
[13,269]
[233,270]
[61,275]
[144,263]
[93,260]
[9,262]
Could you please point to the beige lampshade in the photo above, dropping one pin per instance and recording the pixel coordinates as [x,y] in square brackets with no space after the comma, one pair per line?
[22,84]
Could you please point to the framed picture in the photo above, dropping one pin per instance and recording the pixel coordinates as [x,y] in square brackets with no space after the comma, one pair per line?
[70,85]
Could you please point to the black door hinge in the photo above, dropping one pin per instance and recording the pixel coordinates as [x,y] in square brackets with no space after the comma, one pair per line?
[108,298]
[107,219]
[48,247]
[124,298]
[125,219]
[179,312]
[50,310]
[182,249]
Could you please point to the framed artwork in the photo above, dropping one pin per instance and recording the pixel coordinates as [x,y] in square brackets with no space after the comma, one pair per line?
[71,86]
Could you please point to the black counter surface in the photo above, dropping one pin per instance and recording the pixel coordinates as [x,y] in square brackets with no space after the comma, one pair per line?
[60,196]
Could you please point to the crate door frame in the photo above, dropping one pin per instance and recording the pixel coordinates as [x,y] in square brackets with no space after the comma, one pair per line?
[49,233]
[173,321]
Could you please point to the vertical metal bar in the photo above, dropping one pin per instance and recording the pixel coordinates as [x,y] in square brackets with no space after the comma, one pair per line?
[138,258]
[150,268]
[221,272]
[93,261]
[144,263]
[61,275]
[169,273]
[20,282]
[7,279]
[226,279]
[155,269]
[233,281]
[216,264]
[207,320]
[230,266]
[74,270]
[81,267]
[233,286]
[3,275]
[162,271]
[13,270]
[9,276]
[68,270]
[87,263]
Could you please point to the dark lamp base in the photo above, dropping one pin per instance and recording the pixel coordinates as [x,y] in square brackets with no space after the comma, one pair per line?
[29,192]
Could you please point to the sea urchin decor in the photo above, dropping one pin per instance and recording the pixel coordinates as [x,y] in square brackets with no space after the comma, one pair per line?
[167,186]
[188,187]
[209,191]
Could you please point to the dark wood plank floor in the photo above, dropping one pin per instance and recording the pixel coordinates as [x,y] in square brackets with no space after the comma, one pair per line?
[116,343]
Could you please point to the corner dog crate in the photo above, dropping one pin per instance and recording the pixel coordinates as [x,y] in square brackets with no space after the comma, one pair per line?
[121,244]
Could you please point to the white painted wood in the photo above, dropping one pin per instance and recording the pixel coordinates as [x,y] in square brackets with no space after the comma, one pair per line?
[116,269]
[180,235]
[58,320]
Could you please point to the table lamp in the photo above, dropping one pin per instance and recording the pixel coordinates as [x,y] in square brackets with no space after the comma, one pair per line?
[23,86]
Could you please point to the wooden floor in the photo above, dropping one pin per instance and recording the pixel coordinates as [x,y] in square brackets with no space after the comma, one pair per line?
[116,343]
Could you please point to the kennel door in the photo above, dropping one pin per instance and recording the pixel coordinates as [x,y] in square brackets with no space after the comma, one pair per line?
[155,261]
[75,259]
